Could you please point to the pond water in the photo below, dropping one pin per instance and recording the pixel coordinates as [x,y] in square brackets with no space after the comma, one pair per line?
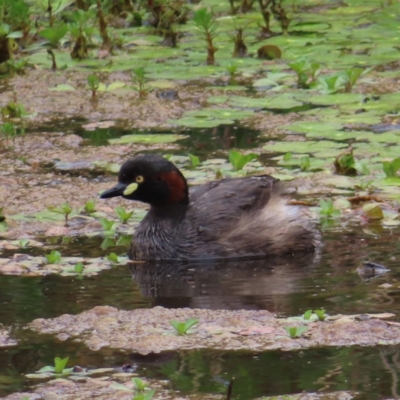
[287,287]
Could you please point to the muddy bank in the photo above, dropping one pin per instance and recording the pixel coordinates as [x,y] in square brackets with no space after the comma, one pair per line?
[148,331]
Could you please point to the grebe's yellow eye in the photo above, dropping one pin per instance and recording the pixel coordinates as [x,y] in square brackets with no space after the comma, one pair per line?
[139,179]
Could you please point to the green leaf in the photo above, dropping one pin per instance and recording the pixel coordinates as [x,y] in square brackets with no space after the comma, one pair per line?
[287,156]
[296,331]
[106,224]
[23,242]
[182,327]
[307,314]
[239,160]
[78,268]
[391,168]
[373,211]
[147,138]
[63,87]
[90,206]
[321,314]
[54,257]
[122,214]
[194,160]
[190,322]
[179,327]
[55,34]
[148,395]
[47,368]
[140,384]
[60,364]
[305,163]
[113,257]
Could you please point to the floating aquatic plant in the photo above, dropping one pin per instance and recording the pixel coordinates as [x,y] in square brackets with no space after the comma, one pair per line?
[59,366]
[328,210]
[306,71]
[64,209]
[205,21]
[94,84]
[194,160]
[296,331]
[140,384]
[53,257]
[90,206]
[344,163]
[107,224]
[390,168]
[139,78]
[23,243]
[321,314]
[240,48]
[122,214]
[54,34]
[183,327]
[239,160]
[113,257]
[314,315]
[78,268]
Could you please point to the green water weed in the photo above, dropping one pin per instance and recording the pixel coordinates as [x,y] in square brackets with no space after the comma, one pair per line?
[239,160]
[140,384]
[305,163]
[232,69]
[59,366]
[78,268]
[53,257]
[345,163]
[390,168]
[194,161]
[54,35]
[94,84]
[113,257]
[106,224]
[139,78]
[314,315]
[321,314]
[328,210]
[8,131]
[204,20]
[182,328]
[122,214]
[23,243]
[13,109]
[90,206]
[148,395]
[296,331]
[64,209]
[306,72]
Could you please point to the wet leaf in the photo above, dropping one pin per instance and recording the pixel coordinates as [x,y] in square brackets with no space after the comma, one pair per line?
[239,160]
[63,87]
[150,138]
[373,210]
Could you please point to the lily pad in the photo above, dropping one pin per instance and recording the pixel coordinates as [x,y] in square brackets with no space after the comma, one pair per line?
[335,99]
[304,147]
[150,139]
[62,88]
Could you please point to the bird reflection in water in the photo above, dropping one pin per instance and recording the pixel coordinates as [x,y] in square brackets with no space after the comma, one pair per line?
[245,284]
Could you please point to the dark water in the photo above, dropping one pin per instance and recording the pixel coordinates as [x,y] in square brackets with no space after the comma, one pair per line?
[372,372]
[287,287]
[200,141]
